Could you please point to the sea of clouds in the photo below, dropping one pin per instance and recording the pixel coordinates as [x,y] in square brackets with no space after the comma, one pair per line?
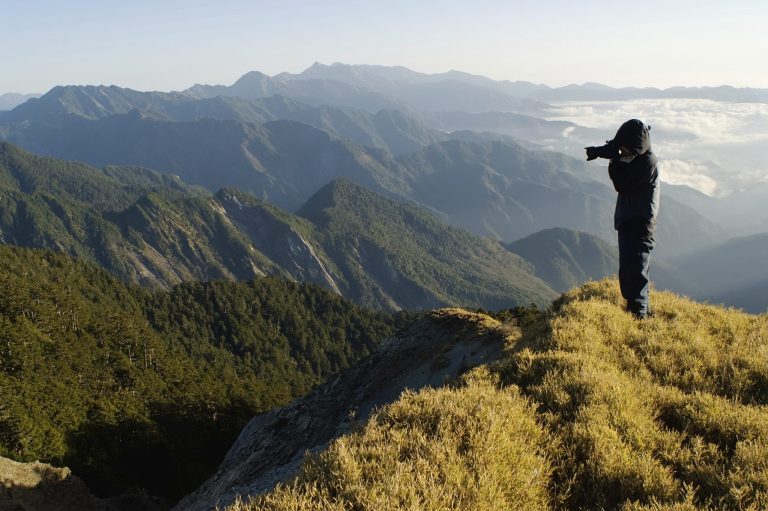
[715,147]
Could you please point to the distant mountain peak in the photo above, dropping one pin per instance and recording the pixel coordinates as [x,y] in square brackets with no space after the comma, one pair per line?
[251,75]
[332,194]
[254,79]
[595,85]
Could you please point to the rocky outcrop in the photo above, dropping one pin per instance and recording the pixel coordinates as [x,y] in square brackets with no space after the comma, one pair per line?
[434,351]
[277,240]
[41,487]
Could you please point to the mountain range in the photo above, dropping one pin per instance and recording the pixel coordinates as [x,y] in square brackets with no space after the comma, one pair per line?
[394,130]
[372,87]
[506,191]
[336,86]
[741,213]
[371,249]
[384,79]
[154,229]
[565,259]
[464,165]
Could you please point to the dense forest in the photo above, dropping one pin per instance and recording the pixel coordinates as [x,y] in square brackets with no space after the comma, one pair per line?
[138,388]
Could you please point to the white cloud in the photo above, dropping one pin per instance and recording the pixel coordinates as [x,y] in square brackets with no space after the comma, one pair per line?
[695,175]
[715,147]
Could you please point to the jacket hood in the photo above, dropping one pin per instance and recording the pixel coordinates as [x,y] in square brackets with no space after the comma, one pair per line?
[635,136]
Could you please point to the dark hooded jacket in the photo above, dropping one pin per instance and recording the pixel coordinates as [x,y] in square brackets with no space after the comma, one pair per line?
[636,180]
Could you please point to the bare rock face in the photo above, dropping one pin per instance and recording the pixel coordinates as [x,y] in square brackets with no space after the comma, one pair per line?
[277,240]
[40,487]
[434,351]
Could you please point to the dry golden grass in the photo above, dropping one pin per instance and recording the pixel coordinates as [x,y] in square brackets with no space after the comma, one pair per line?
[472,447]
[591,410]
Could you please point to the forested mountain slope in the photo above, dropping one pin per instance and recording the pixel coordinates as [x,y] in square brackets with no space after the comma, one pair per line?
[133,388]
[371,249]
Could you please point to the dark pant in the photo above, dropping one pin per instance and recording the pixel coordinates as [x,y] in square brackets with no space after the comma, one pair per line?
[634,262]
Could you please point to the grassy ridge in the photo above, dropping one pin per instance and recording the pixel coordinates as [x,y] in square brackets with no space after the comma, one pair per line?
[591,409]
[474,447]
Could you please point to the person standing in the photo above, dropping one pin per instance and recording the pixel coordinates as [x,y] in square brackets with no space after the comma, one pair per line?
[634,171]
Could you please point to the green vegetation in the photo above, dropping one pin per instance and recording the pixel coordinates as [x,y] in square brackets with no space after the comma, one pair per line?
[401,252]
[651,413]
[270,332]
[154,230]
[111,189]
[142,226]
[132,388]
[590,409]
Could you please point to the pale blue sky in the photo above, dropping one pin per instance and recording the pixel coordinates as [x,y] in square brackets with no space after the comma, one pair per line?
[170,45]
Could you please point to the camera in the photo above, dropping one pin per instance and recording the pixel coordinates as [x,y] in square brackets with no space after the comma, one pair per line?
[608,151]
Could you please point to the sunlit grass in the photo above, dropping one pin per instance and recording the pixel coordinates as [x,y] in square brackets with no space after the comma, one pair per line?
[590,409]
